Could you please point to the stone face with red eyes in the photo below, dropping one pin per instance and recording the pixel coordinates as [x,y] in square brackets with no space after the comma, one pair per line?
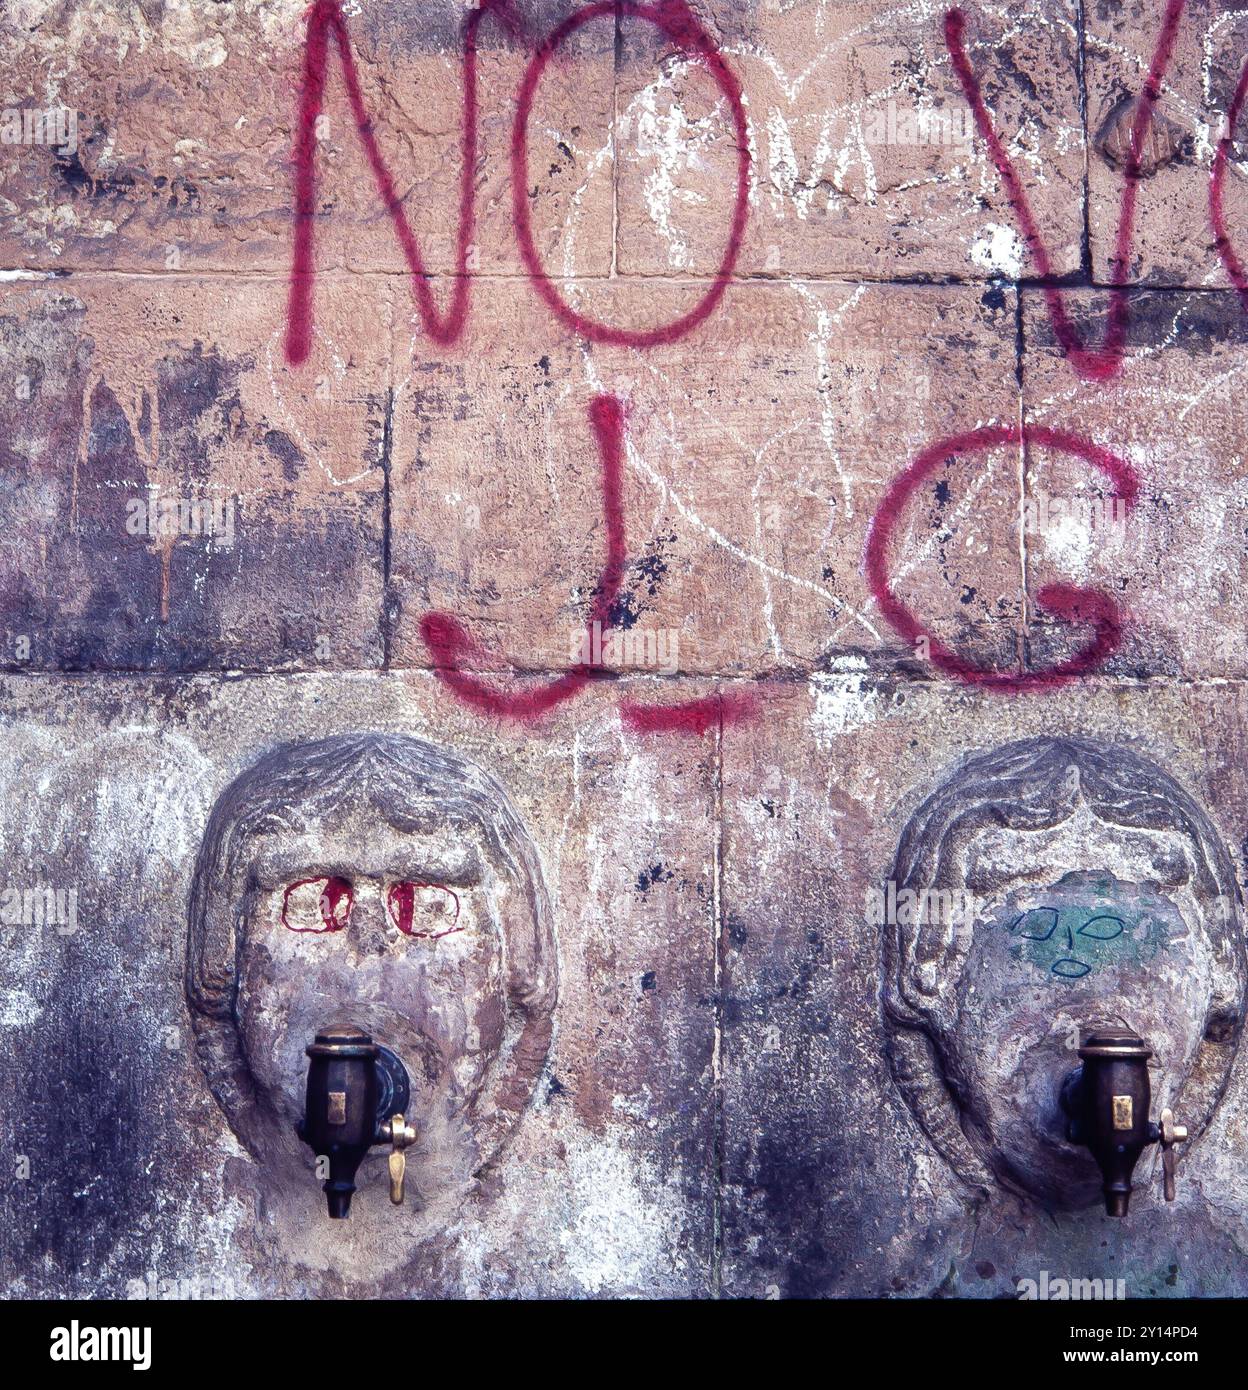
[347,859]
[323,904]
[423,909]
[317,905]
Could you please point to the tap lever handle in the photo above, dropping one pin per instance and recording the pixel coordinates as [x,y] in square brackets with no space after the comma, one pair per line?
[398,1171]
[400,1135]
[1171,1134]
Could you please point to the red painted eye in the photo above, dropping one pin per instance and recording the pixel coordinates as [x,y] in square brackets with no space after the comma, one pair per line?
[423,909]
[317,905]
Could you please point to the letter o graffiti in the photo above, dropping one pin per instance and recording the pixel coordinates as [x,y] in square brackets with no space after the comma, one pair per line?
[679,24]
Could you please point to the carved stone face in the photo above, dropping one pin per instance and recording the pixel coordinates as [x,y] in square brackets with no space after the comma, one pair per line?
[383,882]
[1099,894]
[1058,950]
[401,934]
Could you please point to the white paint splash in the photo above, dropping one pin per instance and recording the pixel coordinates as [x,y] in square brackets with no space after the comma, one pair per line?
[999,250]
[841,704]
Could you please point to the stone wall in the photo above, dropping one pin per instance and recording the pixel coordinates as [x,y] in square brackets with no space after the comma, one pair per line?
[741,293]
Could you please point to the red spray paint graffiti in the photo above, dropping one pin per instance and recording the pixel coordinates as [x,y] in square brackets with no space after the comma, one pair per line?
[452,645]
[429,910]
[446,637]
[1064,601]
[1217,215]
[326,22]
[448,640]
[327,909]
[1094,364]
[678,23]
[689,717]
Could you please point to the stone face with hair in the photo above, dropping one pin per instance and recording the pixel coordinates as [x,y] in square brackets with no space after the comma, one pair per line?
[1103,893]
[381,880]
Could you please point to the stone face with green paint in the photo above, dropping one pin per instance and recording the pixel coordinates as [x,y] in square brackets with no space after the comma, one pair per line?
[1085,922]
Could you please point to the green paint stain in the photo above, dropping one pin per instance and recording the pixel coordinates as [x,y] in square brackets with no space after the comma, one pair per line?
[1084,923]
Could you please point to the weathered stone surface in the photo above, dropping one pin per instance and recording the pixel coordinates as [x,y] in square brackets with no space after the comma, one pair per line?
[1174,240]
[605,1187]
[668,1048]
[1176,565]
[171,485]
[830,1185]
[185,120]
[863,154]
[757,452]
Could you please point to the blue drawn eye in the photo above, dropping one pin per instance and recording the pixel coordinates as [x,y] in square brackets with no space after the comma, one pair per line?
[1103,928]
[1035,931]
[1070,969]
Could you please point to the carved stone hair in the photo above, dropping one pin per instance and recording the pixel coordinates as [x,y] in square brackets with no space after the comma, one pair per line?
[409,782]
[1032,785]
